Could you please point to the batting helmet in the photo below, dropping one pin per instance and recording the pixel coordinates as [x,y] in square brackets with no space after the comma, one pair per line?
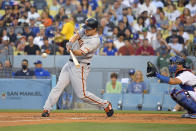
[90,23]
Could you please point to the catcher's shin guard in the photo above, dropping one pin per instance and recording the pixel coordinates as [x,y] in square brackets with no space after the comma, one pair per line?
[184,99]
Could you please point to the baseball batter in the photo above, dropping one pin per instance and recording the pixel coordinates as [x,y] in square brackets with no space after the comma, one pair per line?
[77,77]
[185,78]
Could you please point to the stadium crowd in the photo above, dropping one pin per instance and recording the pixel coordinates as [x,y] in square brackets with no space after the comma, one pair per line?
[126,27]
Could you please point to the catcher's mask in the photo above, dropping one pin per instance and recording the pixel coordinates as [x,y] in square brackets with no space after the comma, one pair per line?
[174,61]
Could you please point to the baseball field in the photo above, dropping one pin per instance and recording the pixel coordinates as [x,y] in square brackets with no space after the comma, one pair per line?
[30,120]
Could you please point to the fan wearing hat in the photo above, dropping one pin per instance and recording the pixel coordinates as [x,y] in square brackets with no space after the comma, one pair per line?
[5,47]
[40,72]
[174,32]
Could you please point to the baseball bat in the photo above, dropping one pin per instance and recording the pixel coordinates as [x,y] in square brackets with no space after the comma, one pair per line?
[74,60]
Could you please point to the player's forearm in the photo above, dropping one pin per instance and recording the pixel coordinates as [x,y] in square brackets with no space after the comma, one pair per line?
[165,79]
[74,38]
[77,52]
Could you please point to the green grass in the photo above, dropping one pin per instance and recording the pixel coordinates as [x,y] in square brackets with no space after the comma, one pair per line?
[101,127]
[94,111]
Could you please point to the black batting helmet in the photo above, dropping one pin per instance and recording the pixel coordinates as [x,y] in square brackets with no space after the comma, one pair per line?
[90,23]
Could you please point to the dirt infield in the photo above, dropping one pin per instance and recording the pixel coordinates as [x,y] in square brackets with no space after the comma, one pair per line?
[14,119]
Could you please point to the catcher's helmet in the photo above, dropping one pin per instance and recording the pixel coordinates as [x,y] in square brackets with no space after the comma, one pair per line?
[174,61]
[90,23]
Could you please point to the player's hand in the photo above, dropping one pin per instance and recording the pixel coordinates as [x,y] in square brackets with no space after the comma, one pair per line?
[68,48]
[151,70]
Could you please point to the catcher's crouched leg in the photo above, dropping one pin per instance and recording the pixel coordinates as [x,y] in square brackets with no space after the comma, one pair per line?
[185,100]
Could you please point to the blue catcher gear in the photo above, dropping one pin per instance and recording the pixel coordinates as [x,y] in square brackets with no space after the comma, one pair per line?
[184,99]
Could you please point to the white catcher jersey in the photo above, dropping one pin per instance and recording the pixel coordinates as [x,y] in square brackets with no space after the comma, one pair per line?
[187,78]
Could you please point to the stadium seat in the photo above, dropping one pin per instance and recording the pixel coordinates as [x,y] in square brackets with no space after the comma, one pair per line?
[131,101]
[159,88]
[113,98]
[168,103]
[150,101]
[2,12]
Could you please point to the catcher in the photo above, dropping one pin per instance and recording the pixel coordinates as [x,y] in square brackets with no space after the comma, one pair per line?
[185,78]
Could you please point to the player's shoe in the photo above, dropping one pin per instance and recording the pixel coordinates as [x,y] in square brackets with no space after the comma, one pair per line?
[45,113]
[193,116]
[186,115]
[109,110]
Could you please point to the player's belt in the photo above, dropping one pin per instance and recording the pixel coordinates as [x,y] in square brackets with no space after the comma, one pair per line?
[79,62]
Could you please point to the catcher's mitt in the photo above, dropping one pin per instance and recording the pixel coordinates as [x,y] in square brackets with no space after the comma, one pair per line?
[151,70]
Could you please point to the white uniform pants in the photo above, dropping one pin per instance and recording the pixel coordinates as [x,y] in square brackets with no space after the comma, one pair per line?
[77,77]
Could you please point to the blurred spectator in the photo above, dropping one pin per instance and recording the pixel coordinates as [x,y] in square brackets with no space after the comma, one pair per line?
[131,77]
[46,20]
[31,49]
[165,71]
[60,14]
[148,6]
[163,59]
[6,3]
[50,48]
[40,4]
[137,27]
[115,33]
[110,49]
[39,71]
[68,27]
[34,27]
[175,47]
[157,15]
[27,32]
[172,14]
[121,27]
[125,15]
[5,47]
[169,39]
[107,27]
[120,41]
[20,45]
[69,7]
[113,86]
[39,39]
[145,49]
[25,71]
[6,18]
[186,12]
[7,69]
[54,7]
[188,62]
[158,3]
[80,17]
[127,49]
[32,14]
[138,85]
[184,35]
[1,66]
[188,26]
[192,7]
[12,35]
[135,8]
[163,22]
[128,34]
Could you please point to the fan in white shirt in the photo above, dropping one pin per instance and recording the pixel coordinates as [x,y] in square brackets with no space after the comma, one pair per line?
[192,7]
[32,14]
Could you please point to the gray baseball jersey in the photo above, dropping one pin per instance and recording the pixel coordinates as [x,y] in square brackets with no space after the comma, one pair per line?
[77,77]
